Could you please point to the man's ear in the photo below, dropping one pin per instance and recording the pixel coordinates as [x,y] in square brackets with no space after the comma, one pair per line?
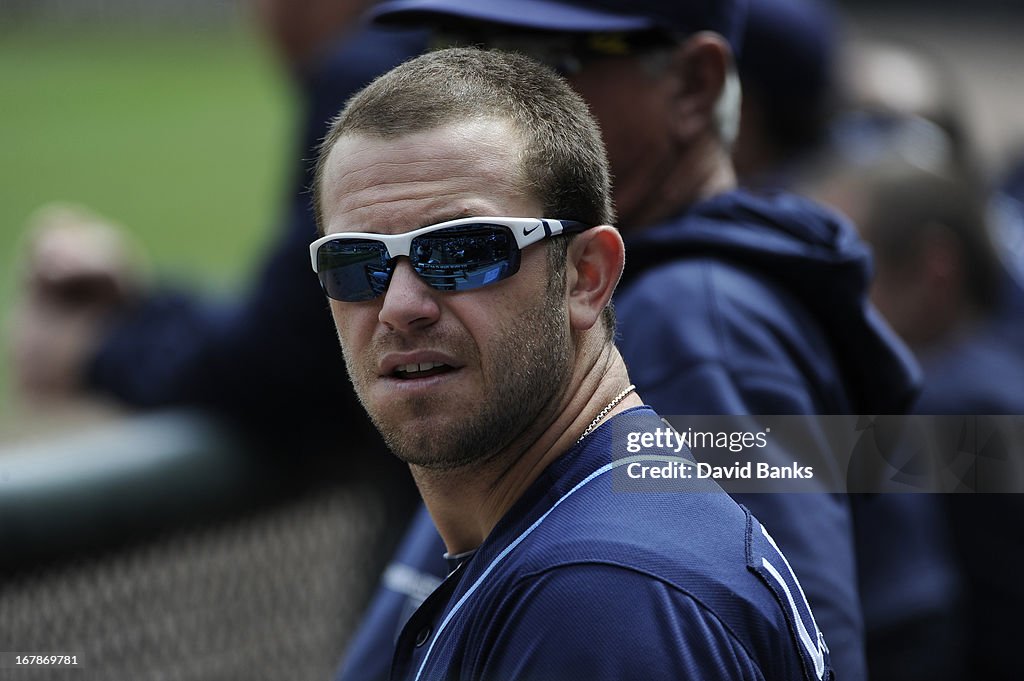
[593,267]
[700,66]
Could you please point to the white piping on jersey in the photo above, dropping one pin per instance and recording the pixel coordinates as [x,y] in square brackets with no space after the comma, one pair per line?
[515,542]
[813,647]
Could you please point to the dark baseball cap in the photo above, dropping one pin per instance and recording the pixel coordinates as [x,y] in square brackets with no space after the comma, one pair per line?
[677,17]
[791,47]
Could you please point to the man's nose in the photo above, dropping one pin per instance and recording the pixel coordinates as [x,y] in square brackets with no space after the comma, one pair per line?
[409,303]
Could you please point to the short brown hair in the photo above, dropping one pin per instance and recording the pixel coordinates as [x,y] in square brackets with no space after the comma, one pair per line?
[564,163]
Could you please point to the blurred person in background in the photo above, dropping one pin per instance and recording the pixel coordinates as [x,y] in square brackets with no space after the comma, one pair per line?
[936,275]
[948,256]
[89,322]
[899,99]
[793,89]
[731,303]
[946,249]
[943,287]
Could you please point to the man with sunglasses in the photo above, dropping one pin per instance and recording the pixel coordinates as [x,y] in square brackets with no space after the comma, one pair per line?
[730,303]
[478,335]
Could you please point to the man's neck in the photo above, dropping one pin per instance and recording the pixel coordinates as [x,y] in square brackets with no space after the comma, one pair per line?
[467,503]
[698,173]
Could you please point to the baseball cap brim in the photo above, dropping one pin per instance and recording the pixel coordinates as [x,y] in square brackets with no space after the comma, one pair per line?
[543,15]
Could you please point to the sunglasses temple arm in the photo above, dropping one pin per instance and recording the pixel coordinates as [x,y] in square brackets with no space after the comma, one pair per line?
[565,226]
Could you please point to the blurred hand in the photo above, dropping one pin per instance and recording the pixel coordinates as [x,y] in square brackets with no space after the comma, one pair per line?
[79,271]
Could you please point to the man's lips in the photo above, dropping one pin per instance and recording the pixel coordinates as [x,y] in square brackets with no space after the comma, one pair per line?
[421,370]
[416,365]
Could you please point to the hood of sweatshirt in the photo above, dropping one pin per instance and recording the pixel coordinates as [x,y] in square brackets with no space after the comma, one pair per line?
[813,253]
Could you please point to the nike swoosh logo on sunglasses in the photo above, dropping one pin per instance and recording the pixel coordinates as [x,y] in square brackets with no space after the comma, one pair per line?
[531,230]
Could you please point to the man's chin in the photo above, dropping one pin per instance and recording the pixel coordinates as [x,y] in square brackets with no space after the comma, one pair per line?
[435,446]
[432,458]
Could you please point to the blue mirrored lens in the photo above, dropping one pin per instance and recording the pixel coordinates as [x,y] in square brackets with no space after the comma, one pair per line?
[465,257]
[353,269]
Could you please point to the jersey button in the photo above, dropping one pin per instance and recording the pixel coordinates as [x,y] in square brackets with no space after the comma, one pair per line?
[422,636]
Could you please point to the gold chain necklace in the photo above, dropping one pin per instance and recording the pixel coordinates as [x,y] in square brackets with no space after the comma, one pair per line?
[604,412]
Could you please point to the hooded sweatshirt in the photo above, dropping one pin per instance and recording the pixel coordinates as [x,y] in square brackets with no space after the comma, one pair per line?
[751,304]
[766,296]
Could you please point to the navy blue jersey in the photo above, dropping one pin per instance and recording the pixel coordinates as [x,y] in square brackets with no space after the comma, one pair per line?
[415,571]
[581,580]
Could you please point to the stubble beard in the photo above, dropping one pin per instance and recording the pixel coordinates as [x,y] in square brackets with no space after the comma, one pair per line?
[531,366]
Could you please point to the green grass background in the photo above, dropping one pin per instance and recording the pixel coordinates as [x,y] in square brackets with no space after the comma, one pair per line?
[182,135]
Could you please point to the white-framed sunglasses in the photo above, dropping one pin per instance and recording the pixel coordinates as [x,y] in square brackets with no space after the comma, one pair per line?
[457,255]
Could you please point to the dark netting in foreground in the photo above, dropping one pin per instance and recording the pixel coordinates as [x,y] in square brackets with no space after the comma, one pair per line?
[273,595]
